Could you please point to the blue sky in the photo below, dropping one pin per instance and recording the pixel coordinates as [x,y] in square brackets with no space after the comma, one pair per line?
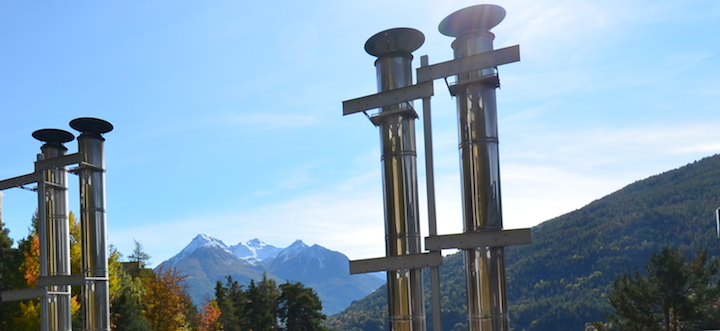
[228,118]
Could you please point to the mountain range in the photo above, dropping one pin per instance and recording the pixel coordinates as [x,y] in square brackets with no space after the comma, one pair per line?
[207,260]
[561,280]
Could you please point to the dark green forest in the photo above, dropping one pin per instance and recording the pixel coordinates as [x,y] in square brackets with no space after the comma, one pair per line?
[561,280]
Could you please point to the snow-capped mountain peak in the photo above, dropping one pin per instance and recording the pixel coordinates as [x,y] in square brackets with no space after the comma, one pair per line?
[294,249]
[201,240]
[254,251]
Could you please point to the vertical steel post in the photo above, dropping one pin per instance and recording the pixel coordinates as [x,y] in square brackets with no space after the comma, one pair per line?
[53,214]
[432,215]
[480,166]
[393,49]
[96,301]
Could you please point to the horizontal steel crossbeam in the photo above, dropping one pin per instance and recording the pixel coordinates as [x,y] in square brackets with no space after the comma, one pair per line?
[387,98]
[479,239]
[58,162]
[467,64]
[19,181]
[24,294]
[390,263]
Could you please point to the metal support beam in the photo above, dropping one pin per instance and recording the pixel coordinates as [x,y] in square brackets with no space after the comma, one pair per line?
[472,240]
[387,98]
[24,294]
[467,64]
[19,181]
[412,261]
[58,162]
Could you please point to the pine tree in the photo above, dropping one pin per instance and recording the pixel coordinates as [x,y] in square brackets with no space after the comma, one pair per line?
[262,304]
[673,295]
[139,257]
[232,302]
[299,308]
[9,265]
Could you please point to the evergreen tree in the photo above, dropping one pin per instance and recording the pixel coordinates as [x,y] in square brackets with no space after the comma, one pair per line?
[9,265]
[262,305]
[232,302]
[139,257]
[673,295]
[299,308]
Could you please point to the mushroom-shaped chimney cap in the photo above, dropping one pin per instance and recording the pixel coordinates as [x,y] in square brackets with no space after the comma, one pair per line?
[53,136]
[480,17]
[400,40]
[91,125]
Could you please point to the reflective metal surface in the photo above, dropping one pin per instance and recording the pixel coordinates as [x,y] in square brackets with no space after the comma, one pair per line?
[399,162]
[96,300]
[54,196]
[480,166]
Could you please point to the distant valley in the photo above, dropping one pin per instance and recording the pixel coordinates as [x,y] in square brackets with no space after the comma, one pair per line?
[206,260]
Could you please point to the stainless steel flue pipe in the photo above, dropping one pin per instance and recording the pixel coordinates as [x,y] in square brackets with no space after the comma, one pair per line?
[96,299]
[480,166]
[53,212]
[394,48]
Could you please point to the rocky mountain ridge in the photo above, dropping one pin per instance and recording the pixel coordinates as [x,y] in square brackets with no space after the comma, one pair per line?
[207,260]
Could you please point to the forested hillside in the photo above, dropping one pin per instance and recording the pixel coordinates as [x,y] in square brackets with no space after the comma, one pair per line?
[559,282]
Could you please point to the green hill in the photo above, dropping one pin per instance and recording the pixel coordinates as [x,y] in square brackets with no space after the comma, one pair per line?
[560,280]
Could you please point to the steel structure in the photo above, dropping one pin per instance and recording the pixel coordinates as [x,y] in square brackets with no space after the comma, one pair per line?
[483,239]
[55,279]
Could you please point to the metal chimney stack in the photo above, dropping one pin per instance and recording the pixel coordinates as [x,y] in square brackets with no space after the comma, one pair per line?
[394,49]
[480,166]
[91,171]
[50,175]
[53,220]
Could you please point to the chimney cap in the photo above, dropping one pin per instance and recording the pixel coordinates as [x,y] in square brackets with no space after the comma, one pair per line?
[53,136]
[91,125]
[397,40]
[480,17]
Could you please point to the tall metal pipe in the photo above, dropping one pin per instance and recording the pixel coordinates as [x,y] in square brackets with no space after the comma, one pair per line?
[480,166]
[393,49]
[54,198]
[96,300]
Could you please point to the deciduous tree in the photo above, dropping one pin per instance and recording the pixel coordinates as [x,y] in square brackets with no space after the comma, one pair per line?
[209,317]
[167,301]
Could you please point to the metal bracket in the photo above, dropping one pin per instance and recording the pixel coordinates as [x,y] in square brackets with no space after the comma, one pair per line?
[492,80]
[390,263]
[84,165]
[378,118]
[470,240]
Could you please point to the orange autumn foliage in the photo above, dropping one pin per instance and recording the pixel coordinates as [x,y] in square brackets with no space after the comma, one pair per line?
[209,317]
